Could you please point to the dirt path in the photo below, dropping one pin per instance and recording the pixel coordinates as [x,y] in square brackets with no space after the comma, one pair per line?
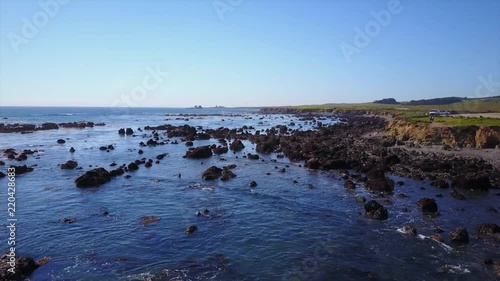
[485,115]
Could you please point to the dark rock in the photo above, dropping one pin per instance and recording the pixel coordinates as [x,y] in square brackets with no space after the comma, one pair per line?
[22,169]
[237,145]
[252,184]
[460,236]
[161,156]
[148,164]
[189,143]
[382,185]
[409,229]
[199,152]
[491,210]
[2,163]
[72,150]
[312,163]
[129,131]
[428,205]
[488,230]
[2,175]
[227,175]
[68,220]
[69,165]
[220,150]
[121,131]
[212,173]
[440,184]
[436,237]
[488,261]
[94,177]
[468,182]
[133,167]
[349,184]
[61,141]
[360,199]
[253,156]
[376,211]
[140,151]
[192,228]
[400,183]
[24,266]
[147,220]
[455,194]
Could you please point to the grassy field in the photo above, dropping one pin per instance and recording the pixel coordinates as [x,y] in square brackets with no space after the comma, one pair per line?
[468,106]
[459,121]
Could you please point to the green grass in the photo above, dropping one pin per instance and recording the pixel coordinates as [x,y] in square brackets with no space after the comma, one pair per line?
[459,121]
[407,111]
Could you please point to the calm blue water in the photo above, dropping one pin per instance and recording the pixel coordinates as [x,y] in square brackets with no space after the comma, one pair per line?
[280,230]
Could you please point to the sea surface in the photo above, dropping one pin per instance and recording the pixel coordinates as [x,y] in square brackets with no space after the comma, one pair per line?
[279,230]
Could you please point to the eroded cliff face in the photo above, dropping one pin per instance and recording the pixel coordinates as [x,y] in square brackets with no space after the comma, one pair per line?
[469,136]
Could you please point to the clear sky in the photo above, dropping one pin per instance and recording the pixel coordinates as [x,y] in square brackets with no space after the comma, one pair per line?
[244,52]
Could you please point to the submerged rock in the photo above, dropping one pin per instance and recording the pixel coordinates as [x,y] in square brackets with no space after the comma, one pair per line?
[252,184]
[69,165]
[146,220]
[22,169]
[93,178]
[192,228]
[376,211]
[460,236]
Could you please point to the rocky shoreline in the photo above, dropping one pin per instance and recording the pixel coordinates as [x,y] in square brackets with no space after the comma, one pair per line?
[360,149]
[30,128]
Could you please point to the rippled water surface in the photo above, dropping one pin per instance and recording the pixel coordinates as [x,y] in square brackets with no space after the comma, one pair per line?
[280,230]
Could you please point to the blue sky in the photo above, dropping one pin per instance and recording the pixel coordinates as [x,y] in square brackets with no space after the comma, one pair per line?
[244,53]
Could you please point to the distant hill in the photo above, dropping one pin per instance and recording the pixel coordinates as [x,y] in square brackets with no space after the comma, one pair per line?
[387,101]
[436,101]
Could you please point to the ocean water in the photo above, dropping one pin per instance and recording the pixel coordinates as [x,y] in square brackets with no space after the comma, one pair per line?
[279,230]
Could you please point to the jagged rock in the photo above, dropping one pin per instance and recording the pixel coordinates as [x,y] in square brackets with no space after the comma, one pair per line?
[212,173]
[199,152]
[409,229]
[252,184]
[460,235]
[237,145]
[227,175]
[93,178]
[129,131]
[488,230]
[72,150]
